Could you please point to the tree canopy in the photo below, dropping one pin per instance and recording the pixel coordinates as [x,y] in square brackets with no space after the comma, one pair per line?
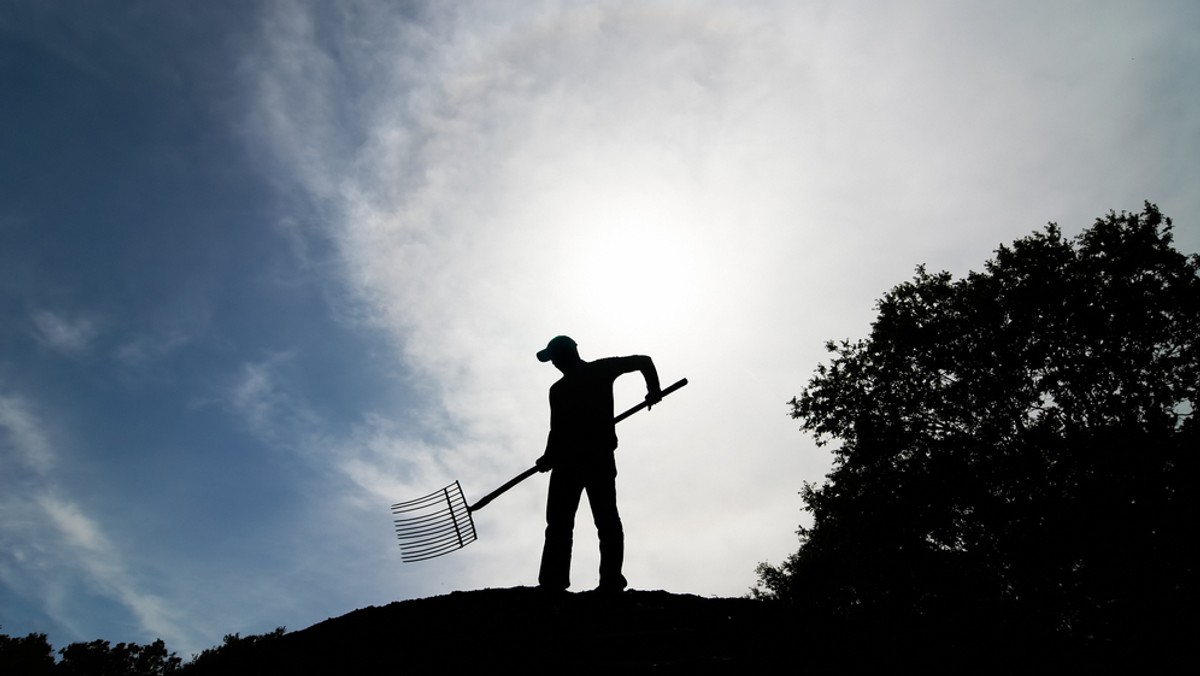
[33,655]
[1015,450]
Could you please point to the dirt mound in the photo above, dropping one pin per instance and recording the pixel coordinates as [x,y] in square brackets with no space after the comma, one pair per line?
[525,629]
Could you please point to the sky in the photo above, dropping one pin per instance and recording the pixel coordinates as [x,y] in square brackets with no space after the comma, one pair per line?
[268,267]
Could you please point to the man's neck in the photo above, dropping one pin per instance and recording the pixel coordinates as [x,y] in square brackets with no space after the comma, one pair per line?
[567,368]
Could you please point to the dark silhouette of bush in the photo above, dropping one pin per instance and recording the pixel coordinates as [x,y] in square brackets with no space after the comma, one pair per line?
[1017,466]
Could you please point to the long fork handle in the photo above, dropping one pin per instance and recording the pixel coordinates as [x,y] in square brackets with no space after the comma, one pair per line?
[533,470]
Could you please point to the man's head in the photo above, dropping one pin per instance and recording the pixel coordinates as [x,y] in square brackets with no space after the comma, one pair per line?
[561,350]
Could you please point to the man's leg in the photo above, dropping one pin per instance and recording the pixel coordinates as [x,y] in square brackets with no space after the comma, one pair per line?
[562,501]
[602,497]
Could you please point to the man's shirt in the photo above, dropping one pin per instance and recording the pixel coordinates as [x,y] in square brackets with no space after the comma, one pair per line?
[581,409]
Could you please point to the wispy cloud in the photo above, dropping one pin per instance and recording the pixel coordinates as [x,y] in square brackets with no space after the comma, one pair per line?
[275,413]
[144,350]
[71,335]
[84,546]
[25,435]
[379,457]
[49,541]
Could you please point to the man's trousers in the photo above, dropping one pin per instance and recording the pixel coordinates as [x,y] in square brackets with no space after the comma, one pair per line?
[566,486]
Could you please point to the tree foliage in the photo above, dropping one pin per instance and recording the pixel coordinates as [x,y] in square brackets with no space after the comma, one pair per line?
[98,658]
[234,651]
[33,655]
[1016,450]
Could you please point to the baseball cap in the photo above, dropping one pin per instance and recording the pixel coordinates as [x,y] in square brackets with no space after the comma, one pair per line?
[555,347]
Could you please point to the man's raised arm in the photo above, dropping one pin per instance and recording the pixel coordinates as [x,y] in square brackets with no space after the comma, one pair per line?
[650,373]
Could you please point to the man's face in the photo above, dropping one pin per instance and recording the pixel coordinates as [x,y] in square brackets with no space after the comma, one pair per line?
[565,359]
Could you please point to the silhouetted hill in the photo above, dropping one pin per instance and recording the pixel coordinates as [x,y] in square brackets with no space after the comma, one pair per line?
[524,630]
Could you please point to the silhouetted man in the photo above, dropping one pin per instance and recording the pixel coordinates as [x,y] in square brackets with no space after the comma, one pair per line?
[580,451]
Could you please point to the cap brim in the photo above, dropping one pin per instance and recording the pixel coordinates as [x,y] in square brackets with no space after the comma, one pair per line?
[545,355]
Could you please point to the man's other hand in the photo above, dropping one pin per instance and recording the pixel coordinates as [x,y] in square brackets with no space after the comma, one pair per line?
[652,398]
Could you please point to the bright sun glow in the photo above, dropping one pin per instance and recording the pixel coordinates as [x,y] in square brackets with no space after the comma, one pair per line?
[637,255]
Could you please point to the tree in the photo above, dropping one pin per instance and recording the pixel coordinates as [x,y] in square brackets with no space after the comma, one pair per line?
[1017,449]
[31,655]
[98,658]
[236,654]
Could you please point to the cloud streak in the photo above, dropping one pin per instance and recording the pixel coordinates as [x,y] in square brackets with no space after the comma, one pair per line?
[68,335]
[25,436]
[50,543]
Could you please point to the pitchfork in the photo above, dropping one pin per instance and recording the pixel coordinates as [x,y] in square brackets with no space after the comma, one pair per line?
[441,522]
